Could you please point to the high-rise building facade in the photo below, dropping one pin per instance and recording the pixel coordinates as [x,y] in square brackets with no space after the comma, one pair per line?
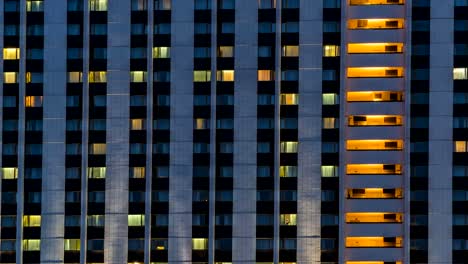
[234,131]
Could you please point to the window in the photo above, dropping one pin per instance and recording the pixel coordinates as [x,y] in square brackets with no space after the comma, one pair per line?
[266,4]
[330,147]
[11,53]
[290,3]
[139,5]
[330,27]
[288,147]
[266,99]
[34,6]
[137,172]
[136,220]
[225,172]
[290,51]
[224,196]
[289,99]
[8,221]
[74,53]
[138,29]
[202,4]
[290,27]
[375,120]
[201,147]
[72,220]
[376,2]
[288,123]
[266,27]
[137,124]
[33,149]
[31,220]
[160,196]
[96,244]
[329,75]
[159,244]
[33,101]
[97,77]
[331,3]
[72,197]
[330,99]
[96,197]
[97,172]
[162,28]
[73,149]
[161,52]
[375,72]
[227,28]
[263,171]
[98,29]
[265,195]
[33,125]
[224,219]
[201,76]
[331,51]
[379,23]
[329,171]
[200,243]
[264,243]
[34,77]
[31,244]
[10,77]
[97,149]
[460,146]
[35,30]
[138,53]
[288,244]
[226,51]
[266,75]
[9,173]
[265,219]
[162,5]
[71,244]
[290,75]
[162,76]
[226,4]
[161,148]
[98,5]
[11,30]
[263,147]
[161,220]
[201,171]
[265,123]
[73,173]
[75,77]
[163,100]
[288,219]
[225,75]
[225,99]
[202,52]
[460,73]
[161,124]
[461,3]
[225,123]
[138,76]
[11,6]
[202,28]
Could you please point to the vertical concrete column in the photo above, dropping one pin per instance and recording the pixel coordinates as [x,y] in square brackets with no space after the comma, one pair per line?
[117,132]
[245,132]
[54,115]
[441,132]
[181,146]
[310,129]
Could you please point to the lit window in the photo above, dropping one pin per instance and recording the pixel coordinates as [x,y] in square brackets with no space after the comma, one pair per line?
[374,242]
[11,53]
[289,99]
[9,173]
[137,124]
[136,220]
[95,220]
[97,149]
[10,77]
[158,244]
[375,96]
[226,51]
[33,101]
[31,244]
[330,99]
[75,77]
[161,52]
[375,120]
[97,172]
[34,6]
[137,172]
[357,48]
[137,76]
[460,73]
[329,171]
[225,76]
[461,146]
[331,51]
[381,23]
[97,77]
[266,75]
[290,51]
[34,77]
[201,76]
[71,244]
[288,171]
[374,144]
[162,4]
[98,5]
[288,219]
[31,220]
[374,193]
[199,243]
[373,169]
[375,72]
[374,218]
[330,123]
[288,147]
[376,2]
[201,123]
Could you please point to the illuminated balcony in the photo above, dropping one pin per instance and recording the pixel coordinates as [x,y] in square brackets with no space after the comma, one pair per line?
[374,193]
[375,96]
[375,120]
[376,2]
[368,169]
[374,242]
[356,218]
[375,72]
[374,144]
[373,48]
[374,262]
[376,23]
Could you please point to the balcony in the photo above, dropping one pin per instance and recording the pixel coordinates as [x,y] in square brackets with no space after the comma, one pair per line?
[368,169]
[374,242]
[364,218]
[374,193]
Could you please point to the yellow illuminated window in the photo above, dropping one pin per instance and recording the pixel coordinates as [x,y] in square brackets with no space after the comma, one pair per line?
[375,72]
[31,220]
[460,73]
[379,23]
[375,120]
[33,101]
[75,77]
[374,144]
[137,172]
[330,123]
[460,146]
[330,99]
[374,242]
[362,169]
[225,75]
[331,51]
[266,75]
[375,48]
[97,172]
[288,219]
[97,149]
[372,262]
[289,99]
[137,76]
[10,77]
[11,53]
[201,123]
[161,52]
[98,5]
[34,6]
[329,171]
[374,218]
[226,51]
[288,171]
[137,124]
[376,2]
[71,244]
[199,243]
[375,96]
[288,147]
[290,51]
[374,193]
[9,173]
[97,77]
[31,244]
[201,76]
[136,220]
